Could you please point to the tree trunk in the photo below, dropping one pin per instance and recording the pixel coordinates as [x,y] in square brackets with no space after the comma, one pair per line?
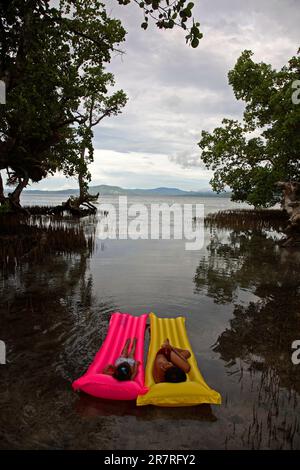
[73,205]
[2,197]
[14,197]
[82,186]
[291,204]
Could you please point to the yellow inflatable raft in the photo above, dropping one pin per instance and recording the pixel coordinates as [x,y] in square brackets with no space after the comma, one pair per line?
[192,392]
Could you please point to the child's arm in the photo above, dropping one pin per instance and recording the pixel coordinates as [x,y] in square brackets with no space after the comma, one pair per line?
[177,351]
[109,370]
[180,361]
[135,370]
[180,353]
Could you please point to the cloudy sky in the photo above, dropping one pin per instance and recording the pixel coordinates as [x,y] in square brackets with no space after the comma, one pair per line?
[175,91]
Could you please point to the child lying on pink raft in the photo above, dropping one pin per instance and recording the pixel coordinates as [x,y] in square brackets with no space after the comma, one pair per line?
[125,367]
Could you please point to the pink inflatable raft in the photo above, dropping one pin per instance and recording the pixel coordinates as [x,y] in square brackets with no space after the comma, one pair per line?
[121,327]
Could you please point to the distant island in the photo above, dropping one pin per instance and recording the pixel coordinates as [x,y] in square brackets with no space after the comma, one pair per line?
[106,190]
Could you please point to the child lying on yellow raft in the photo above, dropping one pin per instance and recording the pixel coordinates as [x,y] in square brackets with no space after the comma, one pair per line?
[171,364]
[193,390]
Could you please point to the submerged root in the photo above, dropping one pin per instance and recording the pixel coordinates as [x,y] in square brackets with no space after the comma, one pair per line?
[26,239]
[248,219]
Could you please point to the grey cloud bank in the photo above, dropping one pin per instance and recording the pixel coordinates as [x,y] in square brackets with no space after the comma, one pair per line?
[175,91]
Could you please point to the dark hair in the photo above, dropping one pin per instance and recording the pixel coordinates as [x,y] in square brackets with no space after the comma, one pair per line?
[175,375]
[122,372]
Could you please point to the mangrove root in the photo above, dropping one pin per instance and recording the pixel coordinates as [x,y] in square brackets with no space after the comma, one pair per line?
[291,204]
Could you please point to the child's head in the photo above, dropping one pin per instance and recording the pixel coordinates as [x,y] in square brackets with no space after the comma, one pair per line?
[175,375]
[122,372]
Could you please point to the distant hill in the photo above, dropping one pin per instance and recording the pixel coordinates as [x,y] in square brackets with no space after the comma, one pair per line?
[116,190]
[106,190]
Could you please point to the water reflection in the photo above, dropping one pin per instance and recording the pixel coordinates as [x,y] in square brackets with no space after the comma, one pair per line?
[256,346]
[245,260]
[90,407]
[244,298]
[51,325]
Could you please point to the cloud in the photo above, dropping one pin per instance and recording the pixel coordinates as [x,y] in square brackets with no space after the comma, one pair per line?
[187,159]
[135,170]
[175,91]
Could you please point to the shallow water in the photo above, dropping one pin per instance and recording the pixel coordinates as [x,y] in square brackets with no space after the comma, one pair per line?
[241,296]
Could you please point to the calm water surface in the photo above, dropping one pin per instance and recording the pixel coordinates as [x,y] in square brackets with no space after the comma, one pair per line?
[241,296]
